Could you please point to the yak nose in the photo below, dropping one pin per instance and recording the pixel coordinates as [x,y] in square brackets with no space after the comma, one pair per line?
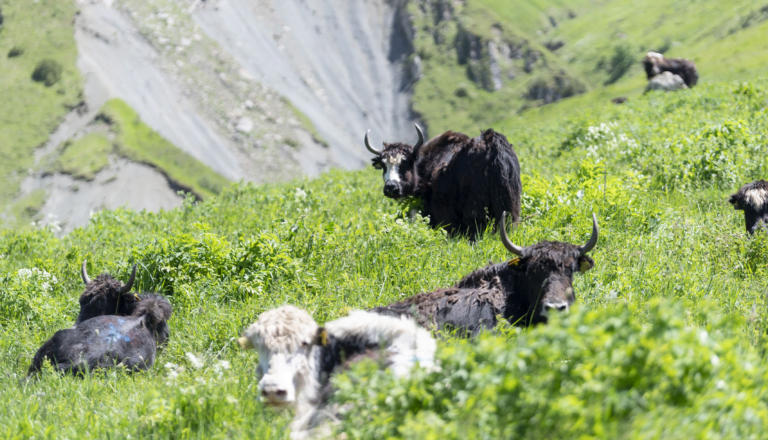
[391,189]
[274,393]
[561,306]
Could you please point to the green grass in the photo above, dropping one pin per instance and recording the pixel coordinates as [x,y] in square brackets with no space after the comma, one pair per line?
[29,110]
[725,39]
[85,157]
[632,360]
[138,142]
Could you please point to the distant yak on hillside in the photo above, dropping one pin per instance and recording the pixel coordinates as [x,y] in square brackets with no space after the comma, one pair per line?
[461,181]
[752,198]
[655,63]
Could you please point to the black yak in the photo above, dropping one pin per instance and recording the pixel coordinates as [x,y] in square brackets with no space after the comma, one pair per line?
[297,356]
[109,341]
[752,198]
[460,181]
[106,296]
[523,290]
[655,63]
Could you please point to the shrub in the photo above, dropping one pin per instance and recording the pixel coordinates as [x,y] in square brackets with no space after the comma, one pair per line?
[621,61]
[47,72]
[16,51]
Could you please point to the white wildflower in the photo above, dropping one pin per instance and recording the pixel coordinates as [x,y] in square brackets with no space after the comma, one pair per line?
[196,362]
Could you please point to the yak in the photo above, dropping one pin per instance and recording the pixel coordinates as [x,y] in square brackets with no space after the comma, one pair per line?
[459,181]
[655,63]
[109,341]
[297,357]
[523,290]
[106,296]
[752,198]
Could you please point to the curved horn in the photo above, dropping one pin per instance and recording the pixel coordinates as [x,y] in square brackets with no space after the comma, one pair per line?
[515,249]
[593,239]
[84,273]
[368,144]
[421,139]
[127,288]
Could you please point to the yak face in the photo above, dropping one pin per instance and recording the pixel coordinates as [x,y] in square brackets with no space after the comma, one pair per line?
[651,64]
[752,198]
[285,339]
[397,160]
[543,272]
[547,270]
[106,296]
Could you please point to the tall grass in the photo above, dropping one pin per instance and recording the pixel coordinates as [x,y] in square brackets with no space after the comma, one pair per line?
[672,260]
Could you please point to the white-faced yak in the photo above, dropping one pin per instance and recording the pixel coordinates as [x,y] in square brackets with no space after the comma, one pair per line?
[655,63]
[523,290]
[297,357]
[752,198]
[460,181]
[109,341]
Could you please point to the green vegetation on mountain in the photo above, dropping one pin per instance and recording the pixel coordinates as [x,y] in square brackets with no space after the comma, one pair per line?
[85,157]
[35,37]
[551,49]
[668,329]
[138,142]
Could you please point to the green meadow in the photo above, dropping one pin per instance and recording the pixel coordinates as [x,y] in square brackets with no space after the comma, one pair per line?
[667,337]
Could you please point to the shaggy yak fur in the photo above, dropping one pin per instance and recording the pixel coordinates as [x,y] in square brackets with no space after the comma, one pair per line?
[459,181]
[522,291]
[109,341]
[297,357]
[752,198]
[106,296]
[655,63]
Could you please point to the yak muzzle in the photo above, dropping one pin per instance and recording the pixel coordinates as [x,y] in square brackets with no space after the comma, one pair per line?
[393,190]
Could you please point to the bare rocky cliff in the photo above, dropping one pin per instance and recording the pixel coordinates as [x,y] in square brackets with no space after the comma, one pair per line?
[261,90]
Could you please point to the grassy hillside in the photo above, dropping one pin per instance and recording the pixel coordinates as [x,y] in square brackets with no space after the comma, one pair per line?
[30,110]
[588,49]
[668,331]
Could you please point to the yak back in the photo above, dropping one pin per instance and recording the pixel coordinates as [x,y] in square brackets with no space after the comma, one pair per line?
[102,342]
[465,311]
[463,180]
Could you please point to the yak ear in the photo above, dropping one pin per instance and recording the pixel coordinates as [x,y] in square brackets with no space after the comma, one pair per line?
[245,343]
[585,263]
[321,338]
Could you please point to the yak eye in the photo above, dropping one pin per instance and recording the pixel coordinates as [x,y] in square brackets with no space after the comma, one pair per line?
[378,166]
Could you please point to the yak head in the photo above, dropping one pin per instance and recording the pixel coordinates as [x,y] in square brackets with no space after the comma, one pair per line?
[546,271]
[156,311]
[285,338]
[105,295]
[397,160]
[752,198]
[651,63]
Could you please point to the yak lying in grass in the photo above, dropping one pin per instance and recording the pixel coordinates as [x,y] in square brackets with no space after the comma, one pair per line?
[106,296]
[460,181]
[523,290]
[752,198]
[109,341]
[297,357]
[655,63]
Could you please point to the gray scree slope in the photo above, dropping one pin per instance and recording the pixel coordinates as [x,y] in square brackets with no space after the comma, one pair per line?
[339,61]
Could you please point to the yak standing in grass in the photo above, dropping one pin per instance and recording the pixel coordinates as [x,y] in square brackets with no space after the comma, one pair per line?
[655,63]
[460,181]
[523,290]
[752,198]
[297,357]
[106,296]
[109,341]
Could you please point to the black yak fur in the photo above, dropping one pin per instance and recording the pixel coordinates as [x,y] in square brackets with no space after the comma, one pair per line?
[655,63]
[109,341]
[518,290]
[460,181]
[752,198]
[101,297]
